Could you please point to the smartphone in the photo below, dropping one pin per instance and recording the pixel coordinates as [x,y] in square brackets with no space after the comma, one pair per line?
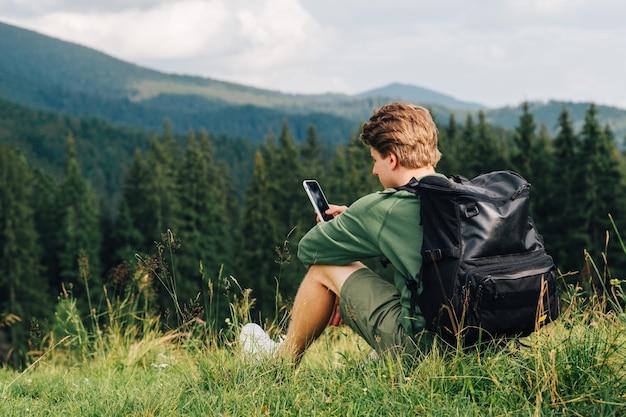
[318,199]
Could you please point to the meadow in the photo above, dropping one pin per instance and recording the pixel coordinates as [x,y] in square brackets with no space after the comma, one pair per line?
[121,362]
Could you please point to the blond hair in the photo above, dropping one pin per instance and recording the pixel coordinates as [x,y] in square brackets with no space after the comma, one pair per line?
[406,130]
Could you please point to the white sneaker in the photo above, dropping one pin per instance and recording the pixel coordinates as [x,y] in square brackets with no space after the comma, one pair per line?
[373,356]
[255,342]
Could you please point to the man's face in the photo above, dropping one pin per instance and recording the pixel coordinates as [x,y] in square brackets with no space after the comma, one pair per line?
[382,168]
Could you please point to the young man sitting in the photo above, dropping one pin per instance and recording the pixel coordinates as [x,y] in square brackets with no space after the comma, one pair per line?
[403,144]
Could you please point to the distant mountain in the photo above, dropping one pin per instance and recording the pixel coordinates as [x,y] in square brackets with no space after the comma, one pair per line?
[45,73]
[416,94]
[48,74]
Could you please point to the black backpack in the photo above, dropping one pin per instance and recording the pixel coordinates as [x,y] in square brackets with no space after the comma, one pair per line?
[485,273]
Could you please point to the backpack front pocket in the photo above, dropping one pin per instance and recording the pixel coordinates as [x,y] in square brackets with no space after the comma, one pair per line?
[513,297]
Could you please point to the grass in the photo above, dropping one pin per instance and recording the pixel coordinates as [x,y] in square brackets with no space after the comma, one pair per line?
[568,371]
[122,363]
[572,367]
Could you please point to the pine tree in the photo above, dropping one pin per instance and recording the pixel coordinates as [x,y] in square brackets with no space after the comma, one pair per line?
[311,153]
[489,156]
[615,198]
[332,183]
[564,231]
[228,222]
[23,287]
[543,188]
[162,160]
[468,149]
[126,239]
[525,141]
[449,147]
[600,181]
[78,236]
[258,270]
[45,190]
[208,217]
[195,187]
[286,176]
[136,204]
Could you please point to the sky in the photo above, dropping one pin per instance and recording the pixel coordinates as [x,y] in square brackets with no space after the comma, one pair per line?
[493,52]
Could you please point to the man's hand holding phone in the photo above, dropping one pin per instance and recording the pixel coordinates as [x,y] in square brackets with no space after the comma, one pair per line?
[323,210]
[334,210]
[318,199]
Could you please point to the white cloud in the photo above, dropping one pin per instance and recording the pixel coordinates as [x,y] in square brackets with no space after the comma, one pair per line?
[545,7]
[492,51]
[168,31]
[277,33]
[230,39]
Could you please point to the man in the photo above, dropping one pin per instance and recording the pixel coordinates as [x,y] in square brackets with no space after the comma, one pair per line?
[403,145]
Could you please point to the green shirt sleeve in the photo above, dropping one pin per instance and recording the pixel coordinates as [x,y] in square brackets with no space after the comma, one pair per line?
[383,224]
[349,237]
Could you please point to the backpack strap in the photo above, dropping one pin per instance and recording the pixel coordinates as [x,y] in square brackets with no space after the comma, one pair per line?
[417,187]
[435,255]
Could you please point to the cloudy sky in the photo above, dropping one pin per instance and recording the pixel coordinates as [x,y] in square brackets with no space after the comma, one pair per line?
[496,52]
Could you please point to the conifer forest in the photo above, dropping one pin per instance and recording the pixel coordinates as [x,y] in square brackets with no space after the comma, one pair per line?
[187,225]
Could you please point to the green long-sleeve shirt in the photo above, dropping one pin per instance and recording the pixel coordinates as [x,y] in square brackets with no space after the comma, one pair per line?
[384,224]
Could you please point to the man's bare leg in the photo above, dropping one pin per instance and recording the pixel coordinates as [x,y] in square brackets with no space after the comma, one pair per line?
[314,304]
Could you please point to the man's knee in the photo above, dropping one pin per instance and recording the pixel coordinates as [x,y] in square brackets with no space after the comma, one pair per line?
[333,276]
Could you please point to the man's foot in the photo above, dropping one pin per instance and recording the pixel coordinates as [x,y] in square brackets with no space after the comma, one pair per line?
[255,342]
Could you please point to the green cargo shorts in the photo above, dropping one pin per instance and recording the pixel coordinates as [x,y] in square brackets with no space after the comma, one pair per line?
[370,305]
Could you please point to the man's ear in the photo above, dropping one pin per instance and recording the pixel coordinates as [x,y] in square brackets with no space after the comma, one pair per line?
[393,160]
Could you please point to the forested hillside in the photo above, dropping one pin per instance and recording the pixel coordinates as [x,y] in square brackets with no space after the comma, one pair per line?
[48,74]
[105,150]
[44,73]
[547,113]
[180,226]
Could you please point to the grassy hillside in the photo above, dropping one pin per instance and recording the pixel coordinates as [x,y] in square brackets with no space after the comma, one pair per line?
[123,364]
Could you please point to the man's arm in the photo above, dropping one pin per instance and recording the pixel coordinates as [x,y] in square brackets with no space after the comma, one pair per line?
[351,236]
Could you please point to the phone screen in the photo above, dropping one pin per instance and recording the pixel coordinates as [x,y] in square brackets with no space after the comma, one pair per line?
[316,195]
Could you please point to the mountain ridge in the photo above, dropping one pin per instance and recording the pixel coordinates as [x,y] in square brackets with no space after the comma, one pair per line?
[416,93]
[46,73]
